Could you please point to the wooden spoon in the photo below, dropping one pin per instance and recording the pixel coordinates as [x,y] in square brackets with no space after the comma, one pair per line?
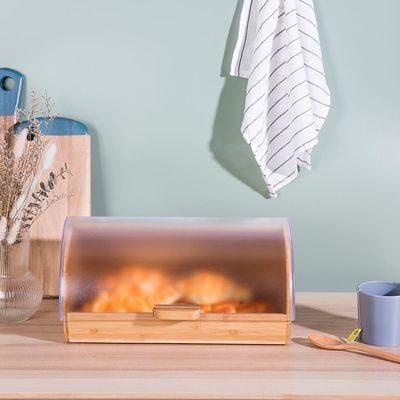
[334,343]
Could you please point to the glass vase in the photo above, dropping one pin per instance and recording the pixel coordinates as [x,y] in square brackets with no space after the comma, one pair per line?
[20,290]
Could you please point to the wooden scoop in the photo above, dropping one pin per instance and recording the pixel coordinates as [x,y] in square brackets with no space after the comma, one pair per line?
[334,343]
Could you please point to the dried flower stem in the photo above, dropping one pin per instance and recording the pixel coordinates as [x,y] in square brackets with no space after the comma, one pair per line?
[23,159]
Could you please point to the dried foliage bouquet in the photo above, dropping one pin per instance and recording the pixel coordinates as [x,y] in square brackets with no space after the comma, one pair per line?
[25,157]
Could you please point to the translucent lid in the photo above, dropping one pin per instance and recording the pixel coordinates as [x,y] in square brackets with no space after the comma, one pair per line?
[224,266]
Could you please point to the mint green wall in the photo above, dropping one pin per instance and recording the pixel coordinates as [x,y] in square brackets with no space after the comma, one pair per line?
[145,76]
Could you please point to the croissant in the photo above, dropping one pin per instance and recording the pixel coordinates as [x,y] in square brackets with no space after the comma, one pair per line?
[132,289]
[207,287]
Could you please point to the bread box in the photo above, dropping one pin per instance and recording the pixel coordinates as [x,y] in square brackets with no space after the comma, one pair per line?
[176,280]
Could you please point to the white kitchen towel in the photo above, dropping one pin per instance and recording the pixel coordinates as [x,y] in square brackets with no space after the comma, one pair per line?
[287,99]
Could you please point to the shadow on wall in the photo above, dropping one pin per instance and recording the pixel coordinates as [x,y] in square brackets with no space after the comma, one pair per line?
[227,144]
[98,200]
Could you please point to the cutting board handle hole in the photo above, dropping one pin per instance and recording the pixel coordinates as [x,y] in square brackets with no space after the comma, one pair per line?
[7,83]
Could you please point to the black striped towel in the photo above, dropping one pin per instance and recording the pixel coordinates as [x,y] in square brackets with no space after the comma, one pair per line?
[287,98]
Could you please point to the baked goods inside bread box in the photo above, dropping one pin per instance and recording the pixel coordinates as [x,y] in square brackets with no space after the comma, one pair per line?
[177,280]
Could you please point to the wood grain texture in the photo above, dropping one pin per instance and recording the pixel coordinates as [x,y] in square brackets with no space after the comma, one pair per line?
[198,331]
[47,231]
[36,363]
[6,122]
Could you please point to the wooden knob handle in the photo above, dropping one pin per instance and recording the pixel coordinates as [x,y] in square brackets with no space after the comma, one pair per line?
[176,312]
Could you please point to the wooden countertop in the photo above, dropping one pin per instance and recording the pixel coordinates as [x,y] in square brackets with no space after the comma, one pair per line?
[35,362]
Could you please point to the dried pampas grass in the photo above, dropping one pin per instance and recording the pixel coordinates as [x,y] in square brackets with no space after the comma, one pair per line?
[24,156]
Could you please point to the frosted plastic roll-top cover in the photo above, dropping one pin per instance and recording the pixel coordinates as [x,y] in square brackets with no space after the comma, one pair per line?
[226,266]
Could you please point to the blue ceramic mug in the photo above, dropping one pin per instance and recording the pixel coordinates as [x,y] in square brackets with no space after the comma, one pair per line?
[379,313]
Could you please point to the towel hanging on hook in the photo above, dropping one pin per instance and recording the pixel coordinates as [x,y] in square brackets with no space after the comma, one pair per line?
[287,99]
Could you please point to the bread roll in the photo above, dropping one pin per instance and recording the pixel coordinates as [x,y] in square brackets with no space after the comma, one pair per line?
[231,307]
[132,289]
[205,287]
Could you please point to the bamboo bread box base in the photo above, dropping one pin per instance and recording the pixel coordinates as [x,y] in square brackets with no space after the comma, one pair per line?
[250,258]
[91,329]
